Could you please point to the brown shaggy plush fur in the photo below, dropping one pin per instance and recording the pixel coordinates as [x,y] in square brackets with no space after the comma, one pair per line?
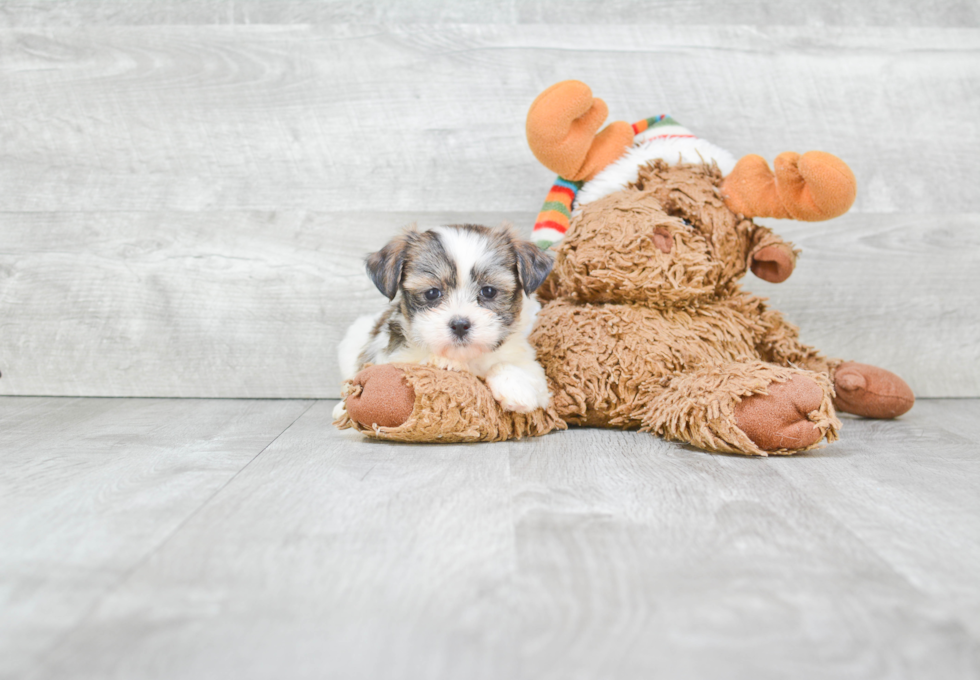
[667,342]
[647,328]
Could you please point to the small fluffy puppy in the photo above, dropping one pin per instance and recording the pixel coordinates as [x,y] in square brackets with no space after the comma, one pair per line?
[460,299]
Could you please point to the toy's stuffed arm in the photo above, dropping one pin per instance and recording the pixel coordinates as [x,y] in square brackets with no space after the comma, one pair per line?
[813,187]
[415,403]
[770,257]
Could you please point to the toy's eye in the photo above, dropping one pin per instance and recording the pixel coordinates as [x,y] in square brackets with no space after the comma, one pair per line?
[489,292]
[433,294]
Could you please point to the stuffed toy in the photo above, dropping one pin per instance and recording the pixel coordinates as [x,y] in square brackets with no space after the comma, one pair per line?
[644,325]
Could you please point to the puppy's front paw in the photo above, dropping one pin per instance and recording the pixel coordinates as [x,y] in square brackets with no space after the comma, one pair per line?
[518,389]
[339,411]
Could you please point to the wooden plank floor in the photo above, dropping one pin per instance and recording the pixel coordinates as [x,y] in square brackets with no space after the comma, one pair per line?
[146,538]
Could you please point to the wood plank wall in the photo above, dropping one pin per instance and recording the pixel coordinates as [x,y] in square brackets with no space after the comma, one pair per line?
[187,188]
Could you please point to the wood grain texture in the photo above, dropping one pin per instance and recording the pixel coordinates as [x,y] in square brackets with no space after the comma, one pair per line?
[428,118]
[230,303]
[582,554]
[390,550]
[683,564]
[212,304]
[89,488]
[75,13]
[897,291]
[184,206]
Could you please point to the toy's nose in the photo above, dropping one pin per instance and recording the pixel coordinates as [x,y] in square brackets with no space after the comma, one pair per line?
[663,240]
[460,326]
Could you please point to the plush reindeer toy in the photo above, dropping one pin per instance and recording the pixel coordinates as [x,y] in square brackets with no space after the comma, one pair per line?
[644,324]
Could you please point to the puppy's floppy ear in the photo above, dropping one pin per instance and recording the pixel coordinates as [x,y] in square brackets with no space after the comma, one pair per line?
[533,264]
[385,266]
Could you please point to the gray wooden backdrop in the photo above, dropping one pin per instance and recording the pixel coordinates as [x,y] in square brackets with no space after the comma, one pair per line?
[187,188]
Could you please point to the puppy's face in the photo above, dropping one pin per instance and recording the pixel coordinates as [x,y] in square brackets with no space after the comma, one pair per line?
[460,287]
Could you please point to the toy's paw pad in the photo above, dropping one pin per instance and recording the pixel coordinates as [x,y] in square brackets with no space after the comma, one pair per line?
[385,398]
[870,391]
[517,390]
[778,420]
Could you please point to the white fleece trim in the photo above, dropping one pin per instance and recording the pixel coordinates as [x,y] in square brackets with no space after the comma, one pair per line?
[661,130]
[546,234]
[622,172]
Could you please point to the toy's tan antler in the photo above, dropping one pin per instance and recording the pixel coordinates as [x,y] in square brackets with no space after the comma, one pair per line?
[561,131]
[812,187]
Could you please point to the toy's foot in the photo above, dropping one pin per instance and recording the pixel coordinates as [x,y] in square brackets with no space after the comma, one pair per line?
[778,420]
[870,391]
[381,397]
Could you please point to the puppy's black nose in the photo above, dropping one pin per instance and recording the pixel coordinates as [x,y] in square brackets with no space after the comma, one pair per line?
[460,326]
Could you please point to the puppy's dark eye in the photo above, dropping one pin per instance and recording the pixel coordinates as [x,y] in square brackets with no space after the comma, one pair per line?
[433,294]
[489,292]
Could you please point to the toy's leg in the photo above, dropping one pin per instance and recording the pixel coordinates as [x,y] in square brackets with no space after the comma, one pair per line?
[409,402]
[752,408]
[779,342]
[860,389]
[870,391]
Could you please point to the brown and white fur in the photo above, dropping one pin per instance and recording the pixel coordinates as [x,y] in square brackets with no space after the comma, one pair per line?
[460,300]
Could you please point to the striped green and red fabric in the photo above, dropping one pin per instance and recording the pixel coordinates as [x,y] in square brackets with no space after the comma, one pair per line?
[647,123]
[556,213]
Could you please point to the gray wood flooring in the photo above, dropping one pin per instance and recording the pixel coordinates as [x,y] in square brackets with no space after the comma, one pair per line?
[147,538]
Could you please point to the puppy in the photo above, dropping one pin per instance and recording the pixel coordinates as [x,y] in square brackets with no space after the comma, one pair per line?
[460,300]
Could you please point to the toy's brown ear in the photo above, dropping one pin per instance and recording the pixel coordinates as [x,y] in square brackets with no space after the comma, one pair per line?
[385,266]
[533,265]
[561,131]
[812,187]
